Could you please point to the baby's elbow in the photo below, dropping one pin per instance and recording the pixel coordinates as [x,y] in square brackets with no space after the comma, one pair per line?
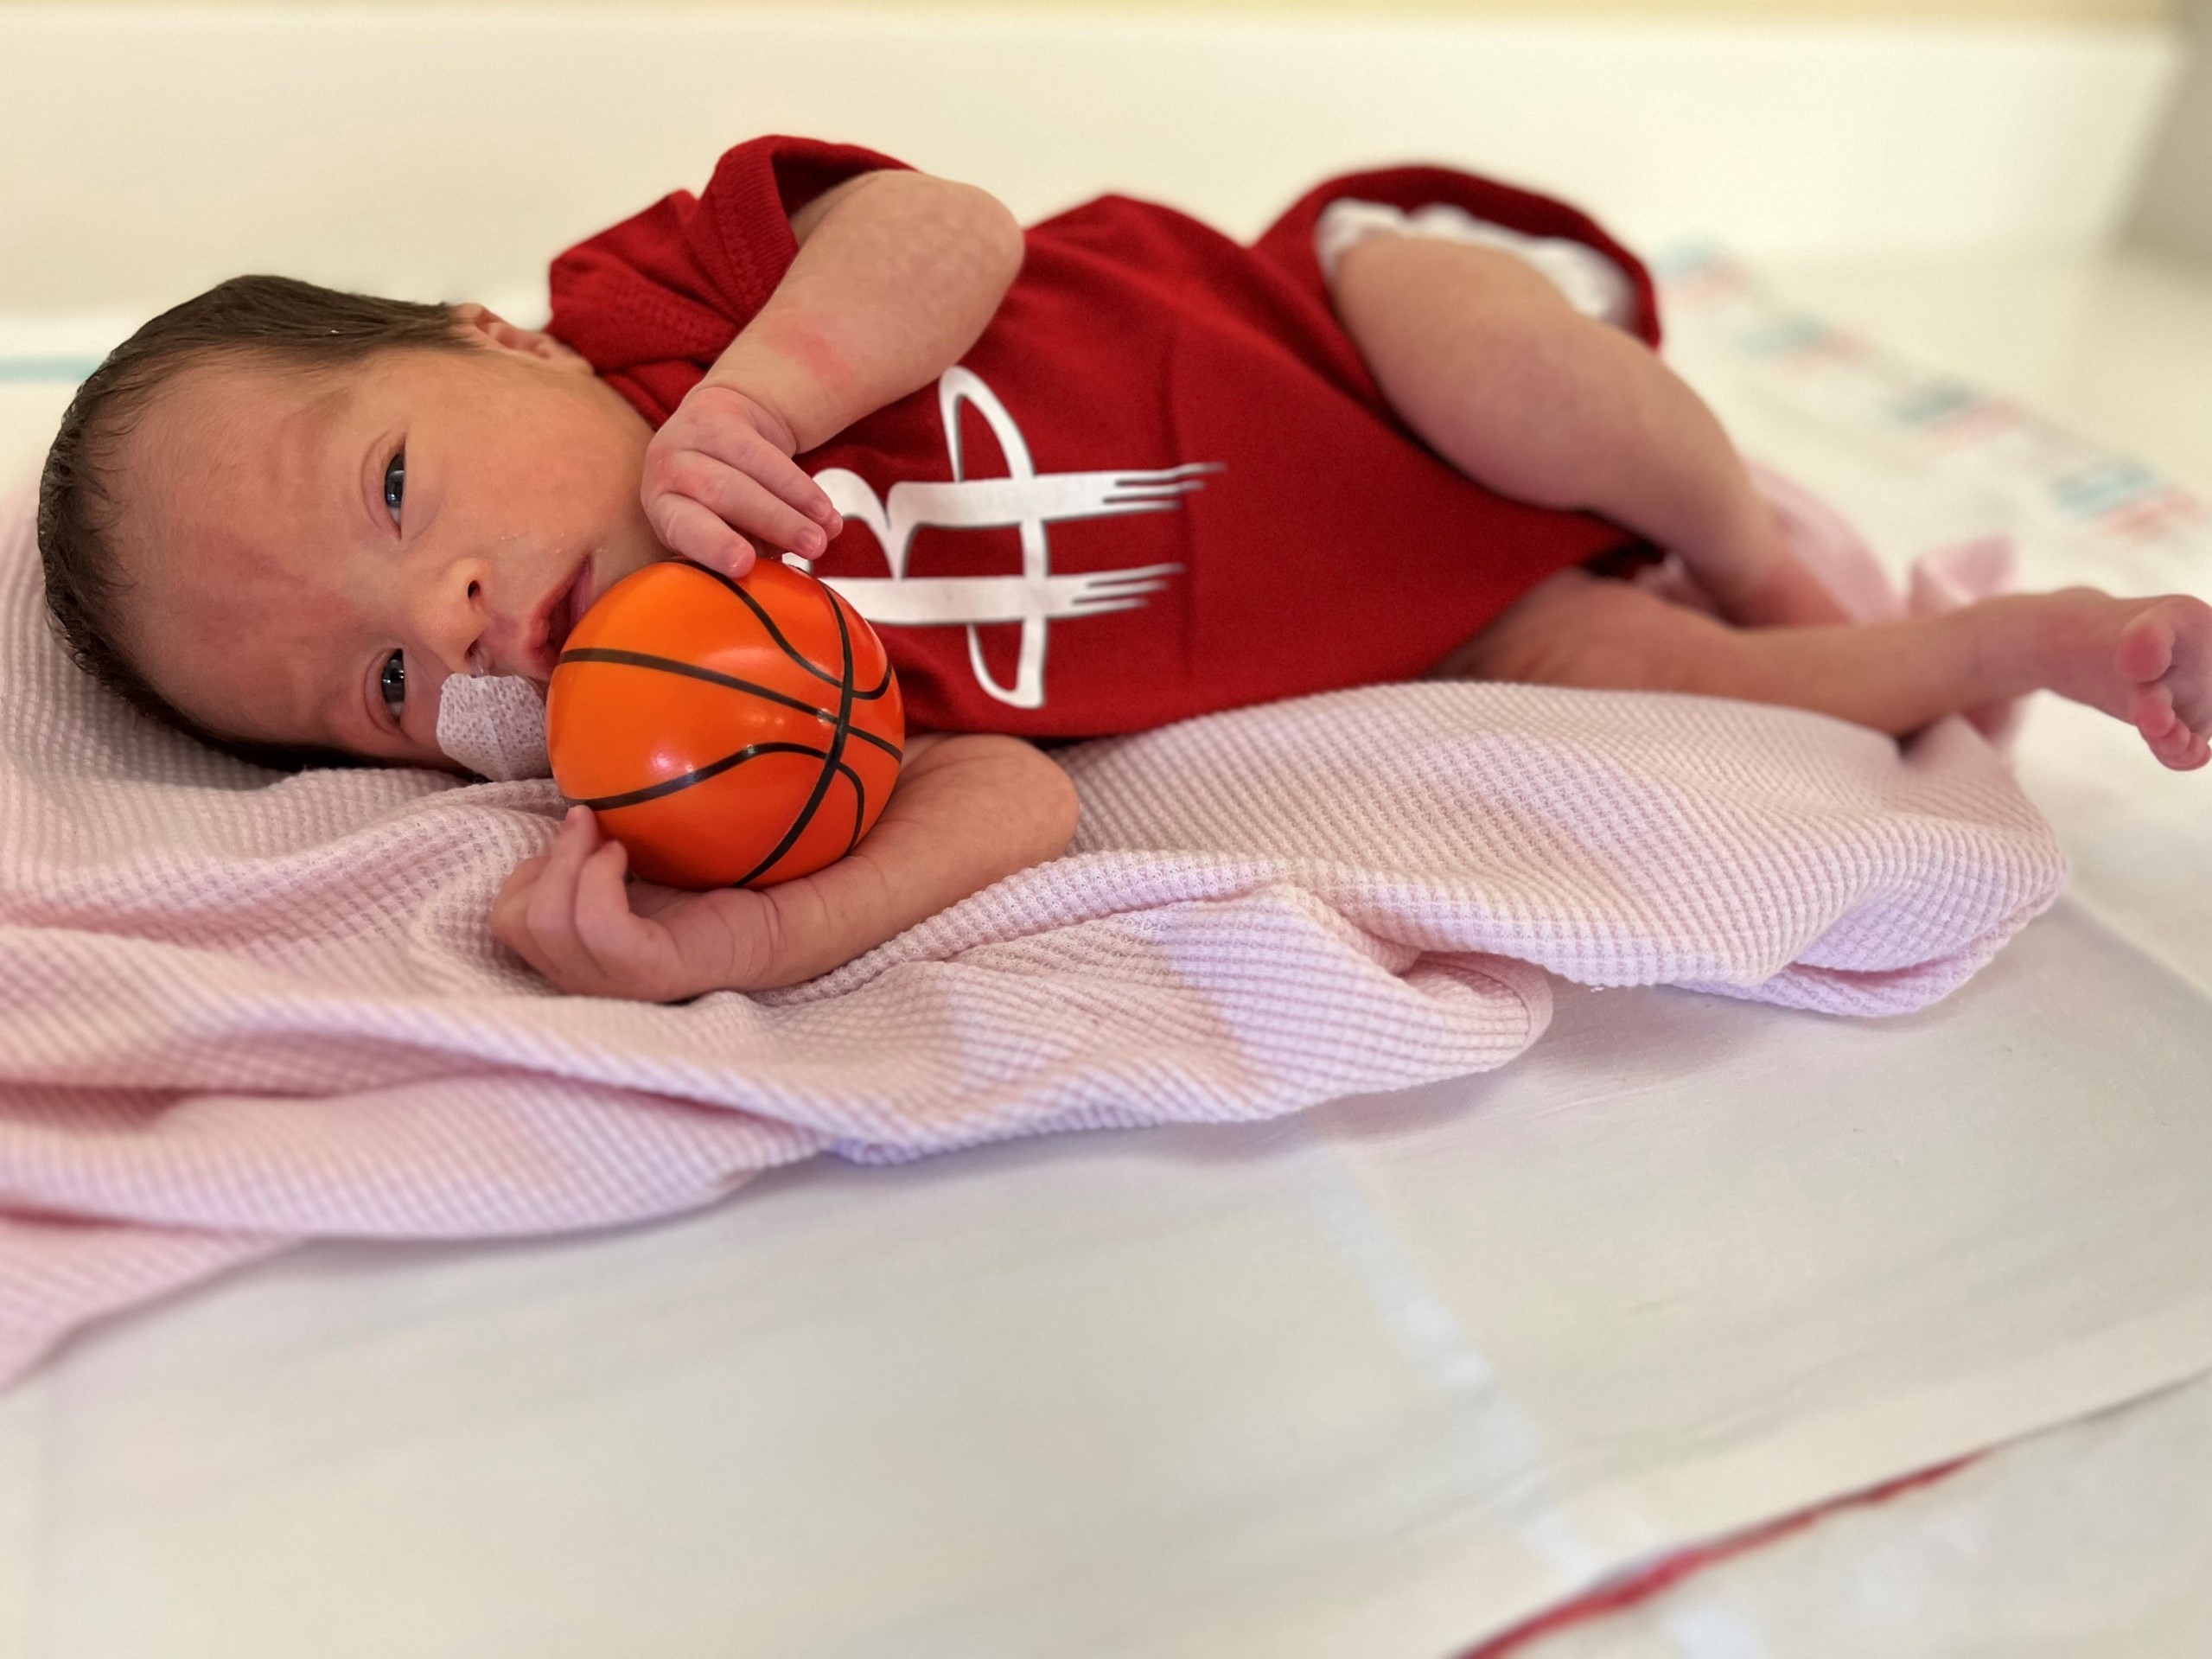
[1038,804]
[1058,809]
[989,227]
[1007,802]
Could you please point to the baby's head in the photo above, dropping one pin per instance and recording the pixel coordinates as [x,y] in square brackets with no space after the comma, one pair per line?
[277,516]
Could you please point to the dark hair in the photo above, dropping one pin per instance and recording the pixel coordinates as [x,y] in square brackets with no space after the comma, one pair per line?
[296,324]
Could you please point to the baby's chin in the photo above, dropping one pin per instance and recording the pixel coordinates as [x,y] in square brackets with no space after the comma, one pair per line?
[613,564]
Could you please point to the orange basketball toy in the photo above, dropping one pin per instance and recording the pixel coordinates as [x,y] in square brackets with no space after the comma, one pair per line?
[730,734]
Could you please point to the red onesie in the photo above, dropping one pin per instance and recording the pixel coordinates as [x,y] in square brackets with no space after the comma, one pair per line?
[1162,483]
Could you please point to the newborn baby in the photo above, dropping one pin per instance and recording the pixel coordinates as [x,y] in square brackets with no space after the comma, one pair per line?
[1115,471]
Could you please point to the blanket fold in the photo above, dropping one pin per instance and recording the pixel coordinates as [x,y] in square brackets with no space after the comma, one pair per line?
[237,1009]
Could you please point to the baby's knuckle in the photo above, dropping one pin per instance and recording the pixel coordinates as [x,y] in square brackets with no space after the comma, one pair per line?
[691,473]
[685,540]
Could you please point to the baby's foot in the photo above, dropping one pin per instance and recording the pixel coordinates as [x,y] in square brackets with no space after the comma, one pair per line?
[2146,661]
[2165,656]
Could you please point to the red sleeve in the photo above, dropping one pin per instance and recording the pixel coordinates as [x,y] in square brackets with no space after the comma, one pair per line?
[654,301]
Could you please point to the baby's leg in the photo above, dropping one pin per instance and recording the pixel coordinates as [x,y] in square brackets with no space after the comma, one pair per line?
[2147,661]
[1485,359]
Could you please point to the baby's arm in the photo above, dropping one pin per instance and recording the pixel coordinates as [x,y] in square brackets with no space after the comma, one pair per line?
[896,275]
[968,809]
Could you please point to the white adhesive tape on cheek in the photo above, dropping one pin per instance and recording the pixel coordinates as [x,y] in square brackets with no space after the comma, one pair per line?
[494,725]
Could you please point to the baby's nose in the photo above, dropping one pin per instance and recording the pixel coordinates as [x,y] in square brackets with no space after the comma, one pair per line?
[495,639]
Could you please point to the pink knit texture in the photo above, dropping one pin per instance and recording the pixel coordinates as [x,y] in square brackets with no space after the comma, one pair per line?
[239,1010]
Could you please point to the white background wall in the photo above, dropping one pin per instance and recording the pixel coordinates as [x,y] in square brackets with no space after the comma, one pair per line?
[1910,12]
[2175,212]
[146,152]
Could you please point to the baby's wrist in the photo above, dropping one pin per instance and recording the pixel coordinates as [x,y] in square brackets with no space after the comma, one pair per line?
[766,418]
[796,375]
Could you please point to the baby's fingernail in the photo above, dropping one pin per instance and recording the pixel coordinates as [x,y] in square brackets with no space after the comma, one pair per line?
[812,541]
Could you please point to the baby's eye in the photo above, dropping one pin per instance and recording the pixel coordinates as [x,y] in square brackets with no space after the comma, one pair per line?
[392,682]
[395,483]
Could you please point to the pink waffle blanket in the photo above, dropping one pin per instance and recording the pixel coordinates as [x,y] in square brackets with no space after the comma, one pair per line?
[239,1010]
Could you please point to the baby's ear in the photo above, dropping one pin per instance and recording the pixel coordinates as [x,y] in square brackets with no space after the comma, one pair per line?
[496,331]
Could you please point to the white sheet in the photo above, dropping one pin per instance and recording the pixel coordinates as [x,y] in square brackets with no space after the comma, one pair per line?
[1381,1379]
[2090,1542]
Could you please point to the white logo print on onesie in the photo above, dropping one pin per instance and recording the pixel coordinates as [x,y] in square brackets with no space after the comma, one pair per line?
[1025,498]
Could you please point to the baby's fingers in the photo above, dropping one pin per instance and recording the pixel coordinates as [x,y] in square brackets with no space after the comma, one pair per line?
[567,914]
[636,955]
[743,503]
[739,430]
[523,875]
[510,909]
[687,528]
[545,927]
[747,452]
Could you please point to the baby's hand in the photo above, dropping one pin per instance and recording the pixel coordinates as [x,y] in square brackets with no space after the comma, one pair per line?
[722,465]
[970,809]
[570,913]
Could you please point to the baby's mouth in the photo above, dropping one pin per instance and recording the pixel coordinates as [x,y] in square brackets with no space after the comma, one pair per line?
[570,605]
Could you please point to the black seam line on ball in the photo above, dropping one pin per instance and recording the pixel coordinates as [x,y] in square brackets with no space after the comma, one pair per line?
[830,761]
[801,657]
[760,613]
[692,671]
[881,686]
[699,774]
[859,804]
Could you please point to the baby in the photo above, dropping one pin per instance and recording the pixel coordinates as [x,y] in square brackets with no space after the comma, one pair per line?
[1114,471]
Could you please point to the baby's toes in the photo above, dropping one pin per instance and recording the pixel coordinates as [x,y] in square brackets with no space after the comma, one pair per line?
[2181,749]
[2150,711]
[2146,646]
[2189,679]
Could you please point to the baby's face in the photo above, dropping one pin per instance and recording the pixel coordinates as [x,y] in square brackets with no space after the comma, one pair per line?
[315,552]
